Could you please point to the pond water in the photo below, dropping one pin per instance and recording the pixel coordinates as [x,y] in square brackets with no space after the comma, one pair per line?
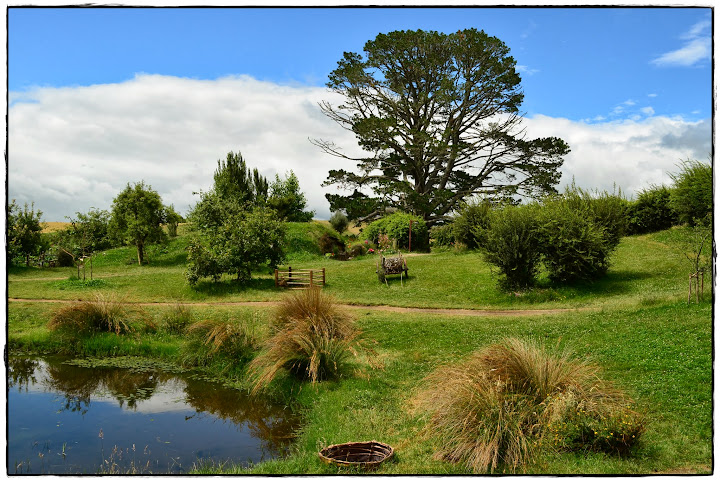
[67,419]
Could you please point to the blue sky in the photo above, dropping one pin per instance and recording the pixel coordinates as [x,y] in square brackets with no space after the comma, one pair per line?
[601,67]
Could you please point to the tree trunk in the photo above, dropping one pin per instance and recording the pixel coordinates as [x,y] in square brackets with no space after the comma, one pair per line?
[141,254]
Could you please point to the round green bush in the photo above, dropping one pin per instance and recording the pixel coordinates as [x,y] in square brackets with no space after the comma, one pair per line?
[512,244]
[651,211]
[573,246]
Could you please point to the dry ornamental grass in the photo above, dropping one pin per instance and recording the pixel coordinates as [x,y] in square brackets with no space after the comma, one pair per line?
[509,401]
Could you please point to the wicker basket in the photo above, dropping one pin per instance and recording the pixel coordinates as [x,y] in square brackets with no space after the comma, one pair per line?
[367,454]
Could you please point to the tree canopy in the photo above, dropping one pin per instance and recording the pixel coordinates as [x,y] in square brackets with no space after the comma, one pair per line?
[288,200]
[137,217]
[234,180]
[439,115]
[24,232]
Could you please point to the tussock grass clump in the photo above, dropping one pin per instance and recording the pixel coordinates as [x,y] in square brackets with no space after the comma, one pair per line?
[104,313]
[230,338]
[508,402]
[177,319]
[311,337]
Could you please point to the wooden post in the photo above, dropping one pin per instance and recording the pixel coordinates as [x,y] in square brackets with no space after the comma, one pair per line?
[697,287]
[276,277]
[689,287]
[409,242]
[311,279]
[289,273]
[323,272]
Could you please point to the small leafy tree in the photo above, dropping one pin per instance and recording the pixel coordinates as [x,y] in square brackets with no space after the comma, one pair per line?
[339,221]
[137,217]
[287,199]
[24,232]
[172,219]
[692,195]
[89,232]
[229,239]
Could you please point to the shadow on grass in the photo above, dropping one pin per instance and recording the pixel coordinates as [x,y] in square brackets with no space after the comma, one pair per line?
[613,283]
[169,260]
[231,286]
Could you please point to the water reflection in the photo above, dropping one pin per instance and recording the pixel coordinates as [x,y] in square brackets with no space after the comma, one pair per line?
[179,418]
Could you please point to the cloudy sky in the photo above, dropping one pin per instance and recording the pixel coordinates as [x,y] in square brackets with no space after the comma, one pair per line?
[103,97]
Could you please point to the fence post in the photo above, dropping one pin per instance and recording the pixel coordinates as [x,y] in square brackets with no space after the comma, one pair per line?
[323,271]
[410,238]
[311,279]
[289,273]
[276,277]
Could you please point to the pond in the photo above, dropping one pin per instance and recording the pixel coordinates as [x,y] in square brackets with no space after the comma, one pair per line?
[68,419]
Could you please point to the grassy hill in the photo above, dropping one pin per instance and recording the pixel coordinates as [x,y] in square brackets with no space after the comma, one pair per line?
[635,323]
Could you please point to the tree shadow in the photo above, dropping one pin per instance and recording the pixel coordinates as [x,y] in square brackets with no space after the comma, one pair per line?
[613,283]
[231,286]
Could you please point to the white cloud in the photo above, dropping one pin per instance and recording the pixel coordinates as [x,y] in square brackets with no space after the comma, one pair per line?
[524,69]
[647,110]
[630,154]
[75,148]
[697,47]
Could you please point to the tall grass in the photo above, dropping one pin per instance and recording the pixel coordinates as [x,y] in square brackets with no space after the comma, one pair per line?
[232,340]
[103,313]
[311,337]
[512,399]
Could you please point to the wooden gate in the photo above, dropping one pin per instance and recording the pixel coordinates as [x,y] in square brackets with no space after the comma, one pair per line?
[300,278]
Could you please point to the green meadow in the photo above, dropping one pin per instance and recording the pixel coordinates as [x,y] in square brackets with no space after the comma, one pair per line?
[635,323]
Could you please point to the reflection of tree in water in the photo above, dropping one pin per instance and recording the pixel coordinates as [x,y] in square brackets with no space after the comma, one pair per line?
[269,423]
[21,372]
[272,425]
[79,383]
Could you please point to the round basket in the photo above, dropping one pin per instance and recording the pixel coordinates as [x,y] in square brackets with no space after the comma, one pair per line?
[367,454]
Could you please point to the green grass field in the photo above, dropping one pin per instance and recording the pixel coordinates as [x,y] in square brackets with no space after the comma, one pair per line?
[635,323]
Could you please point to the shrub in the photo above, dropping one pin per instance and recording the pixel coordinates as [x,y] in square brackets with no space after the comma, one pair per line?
[177,319]
[397,227]
[357,249]
[102,314]
[64,258]
[692,194]
[310,337]
[442,235]
[470,226]
[573,246]
[511,244]
[651,211]
[507,402]
[339,221]
[234,340]
[605,210]
[330,243]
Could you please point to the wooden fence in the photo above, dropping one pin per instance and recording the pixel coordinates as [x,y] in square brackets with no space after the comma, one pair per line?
[300,278]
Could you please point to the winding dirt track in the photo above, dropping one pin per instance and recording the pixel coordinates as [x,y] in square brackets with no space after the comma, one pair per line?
[405,310]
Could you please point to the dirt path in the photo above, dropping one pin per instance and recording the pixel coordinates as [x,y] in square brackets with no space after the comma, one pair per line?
[356,307]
